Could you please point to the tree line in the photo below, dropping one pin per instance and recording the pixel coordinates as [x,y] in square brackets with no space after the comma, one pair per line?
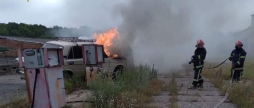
[41,31]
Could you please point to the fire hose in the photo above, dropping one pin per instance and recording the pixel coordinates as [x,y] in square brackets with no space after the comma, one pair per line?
[217,65]
[35,80]
[214,66]
[230,82]
[226,95]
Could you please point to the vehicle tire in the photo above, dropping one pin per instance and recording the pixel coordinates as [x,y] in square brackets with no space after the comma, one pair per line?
[117,71]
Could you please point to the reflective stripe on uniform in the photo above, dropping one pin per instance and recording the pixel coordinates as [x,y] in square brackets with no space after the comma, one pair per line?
[199,57]
[242,56]
[195,80]
[238,62]
[199,66]
[198,75]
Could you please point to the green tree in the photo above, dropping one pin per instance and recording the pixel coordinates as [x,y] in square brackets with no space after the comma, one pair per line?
[40,31]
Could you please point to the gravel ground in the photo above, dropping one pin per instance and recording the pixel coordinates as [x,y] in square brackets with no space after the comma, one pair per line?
[11,85]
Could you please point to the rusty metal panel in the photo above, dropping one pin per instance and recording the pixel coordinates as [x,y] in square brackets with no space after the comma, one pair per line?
[56,84]
[41,90]
[91,76]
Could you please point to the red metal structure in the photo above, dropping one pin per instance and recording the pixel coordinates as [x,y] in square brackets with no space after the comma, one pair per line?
[92,57]
[44,77]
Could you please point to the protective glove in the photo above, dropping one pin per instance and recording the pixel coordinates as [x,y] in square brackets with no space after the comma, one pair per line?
[194,57]
[230,58]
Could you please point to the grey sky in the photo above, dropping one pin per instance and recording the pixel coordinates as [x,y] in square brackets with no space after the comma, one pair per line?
[162,25]
[97,14]
[67,13]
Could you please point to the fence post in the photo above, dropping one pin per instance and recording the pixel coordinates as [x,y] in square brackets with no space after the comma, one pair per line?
[220,72]
[216,74]
[153,74]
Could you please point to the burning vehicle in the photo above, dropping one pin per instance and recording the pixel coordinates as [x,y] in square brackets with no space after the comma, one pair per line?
[73,58]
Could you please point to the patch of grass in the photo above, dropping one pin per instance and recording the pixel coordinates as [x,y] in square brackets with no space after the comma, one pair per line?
[173,92]
[87,105]
[73,84]
[242,93]
[18,101]
[68,106]
[131,89]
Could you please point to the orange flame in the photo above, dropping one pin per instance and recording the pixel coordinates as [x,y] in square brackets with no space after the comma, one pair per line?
[106,38]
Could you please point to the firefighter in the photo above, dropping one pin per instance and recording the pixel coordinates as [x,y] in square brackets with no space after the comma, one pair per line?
[237,57]
[198,62]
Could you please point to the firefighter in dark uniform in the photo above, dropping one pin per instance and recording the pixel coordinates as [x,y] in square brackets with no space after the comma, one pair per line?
[237,57]
[198,62]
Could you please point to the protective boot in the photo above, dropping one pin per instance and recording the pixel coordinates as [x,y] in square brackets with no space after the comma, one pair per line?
[192,87]
[200,85]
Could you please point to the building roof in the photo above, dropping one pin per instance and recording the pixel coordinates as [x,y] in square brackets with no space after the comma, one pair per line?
[28,40]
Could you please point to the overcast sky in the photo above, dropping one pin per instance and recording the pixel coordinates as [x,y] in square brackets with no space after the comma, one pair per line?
[67,13]
[93,13]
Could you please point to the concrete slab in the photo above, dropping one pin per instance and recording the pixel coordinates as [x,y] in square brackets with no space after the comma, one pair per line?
[203,105]
[185,88]
[201,93]
[185,98]
[164,99]
[207,97]
[158,105]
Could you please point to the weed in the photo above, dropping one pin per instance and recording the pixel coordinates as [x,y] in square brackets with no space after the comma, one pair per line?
[73,84]
[18,101]
[131,89]
[241,94]
[173,106]
[68,106]
[87,105]
[173,92]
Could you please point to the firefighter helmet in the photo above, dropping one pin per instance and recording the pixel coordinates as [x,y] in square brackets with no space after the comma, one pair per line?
[238,43]
[200,42]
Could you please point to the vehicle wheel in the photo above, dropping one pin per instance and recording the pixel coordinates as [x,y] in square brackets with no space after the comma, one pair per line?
[117,71]
[67,74]
[114,76]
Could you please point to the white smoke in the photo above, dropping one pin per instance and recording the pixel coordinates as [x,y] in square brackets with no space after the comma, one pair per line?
[164,32]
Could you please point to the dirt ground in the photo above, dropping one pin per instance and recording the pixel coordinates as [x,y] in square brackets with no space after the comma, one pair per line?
[10,86]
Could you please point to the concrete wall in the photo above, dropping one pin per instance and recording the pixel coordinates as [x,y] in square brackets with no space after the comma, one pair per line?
[14,45]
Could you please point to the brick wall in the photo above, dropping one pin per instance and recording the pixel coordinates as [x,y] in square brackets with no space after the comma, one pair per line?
[14,45]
